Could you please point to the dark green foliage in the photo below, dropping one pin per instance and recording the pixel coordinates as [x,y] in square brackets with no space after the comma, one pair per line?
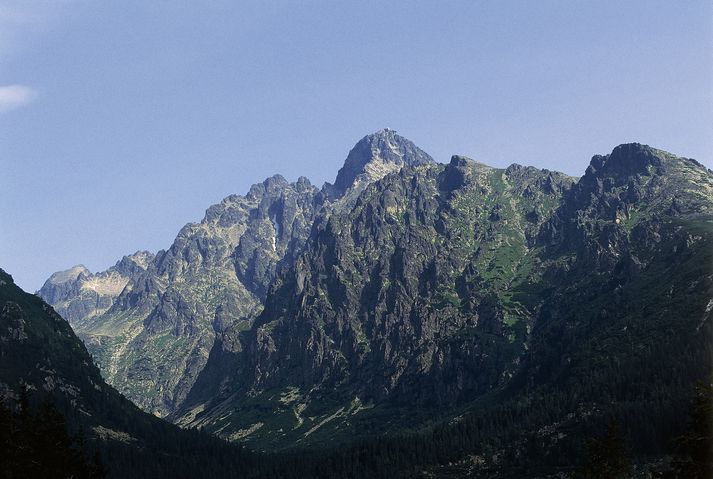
[35,442]
[694,449]
[607,455]
[39,351]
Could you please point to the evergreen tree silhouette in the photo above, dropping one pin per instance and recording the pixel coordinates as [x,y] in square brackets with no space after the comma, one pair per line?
[36,443]
[694,450]
[607,456]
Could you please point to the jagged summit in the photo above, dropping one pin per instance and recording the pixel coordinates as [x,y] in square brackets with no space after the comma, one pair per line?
[631,159]
[273,183]
[79,294]
[626,159]
[460,161]
[138,260]
[297,316]
[376,155]
[70,274]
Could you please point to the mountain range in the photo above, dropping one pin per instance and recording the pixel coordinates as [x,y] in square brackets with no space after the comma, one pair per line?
[417,297]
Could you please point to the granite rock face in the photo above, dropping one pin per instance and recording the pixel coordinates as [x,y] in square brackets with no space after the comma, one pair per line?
[294,315]
[404,298]
[395,297]
[155,339]
[376,155]
[153,335]
[446,283]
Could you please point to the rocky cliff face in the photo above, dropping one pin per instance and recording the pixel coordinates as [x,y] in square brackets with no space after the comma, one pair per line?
[444,284]
[405,298]
[155,339]
[392,298]
[153,336]
[626,260]
[372,158]
[410,289]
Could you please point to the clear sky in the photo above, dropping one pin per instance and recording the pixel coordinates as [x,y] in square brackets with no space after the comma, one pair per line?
[120,121]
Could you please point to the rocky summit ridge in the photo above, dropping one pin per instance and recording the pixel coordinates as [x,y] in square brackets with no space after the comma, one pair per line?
[411,289]
[77,294]
[152,327]
[375,156]
[453,284]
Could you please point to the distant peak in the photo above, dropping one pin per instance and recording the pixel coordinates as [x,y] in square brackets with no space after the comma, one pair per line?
[70,274]
[384,134]
[376,155]
[269,185]
[460,160]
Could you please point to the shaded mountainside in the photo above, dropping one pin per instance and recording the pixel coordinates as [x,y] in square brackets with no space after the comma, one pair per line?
[488,321]
[154,340]
[389,296]
[624,314]
[39,350]
[446,287]
[154,331]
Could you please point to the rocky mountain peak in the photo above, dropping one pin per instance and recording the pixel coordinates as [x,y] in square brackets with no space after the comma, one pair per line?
[460,171]
[134,263]
[377,155]
[460,161]
[269,186]
[636,164]
[627,160]
[633,185]
[288,311]
[68,275]
[78,294]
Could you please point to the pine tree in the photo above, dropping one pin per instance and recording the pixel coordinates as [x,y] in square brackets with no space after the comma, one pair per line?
[38,444]
[607,456]
[694,450]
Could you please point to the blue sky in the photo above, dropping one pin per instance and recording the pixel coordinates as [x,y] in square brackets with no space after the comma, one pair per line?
[120,121]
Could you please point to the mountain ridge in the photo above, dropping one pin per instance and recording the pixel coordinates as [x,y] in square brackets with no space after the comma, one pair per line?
[317,329]
[79,294]
[41,356]
[376,155]
[213,278]
[432,286]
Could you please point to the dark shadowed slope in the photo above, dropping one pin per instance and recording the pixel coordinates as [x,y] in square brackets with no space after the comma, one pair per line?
[39,349]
